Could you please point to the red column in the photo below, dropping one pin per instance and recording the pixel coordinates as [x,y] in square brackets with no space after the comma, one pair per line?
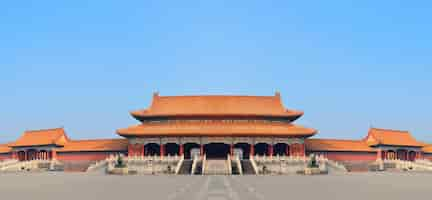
[303,149]
[202,150]
[232,150]
[54,154]
[270,150]
[130,150]
[252,150]
[162,150]
[142,150]
[291,149]
[14,155]
[181,150]
[287,150]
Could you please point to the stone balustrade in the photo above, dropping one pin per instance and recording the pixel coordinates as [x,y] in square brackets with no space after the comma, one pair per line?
[153,164]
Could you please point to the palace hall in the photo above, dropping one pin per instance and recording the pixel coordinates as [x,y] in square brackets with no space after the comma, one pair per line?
[216,134]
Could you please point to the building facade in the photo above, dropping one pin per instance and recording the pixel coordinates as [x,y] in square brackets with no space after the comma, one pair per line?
[214,126]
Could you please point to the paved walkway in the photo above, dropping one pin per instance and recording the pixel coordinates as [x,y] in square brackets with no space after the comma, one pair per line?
[72,186]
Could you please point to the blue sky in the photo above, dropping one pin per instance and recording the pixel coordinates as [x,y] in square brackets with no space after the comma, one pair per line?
[83,65]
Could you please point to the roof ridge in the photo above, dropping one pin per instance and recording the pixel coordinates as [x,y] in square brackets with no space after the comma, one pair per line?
[220,95]
[393,130]
[351,140]
[42,130]
[90,140]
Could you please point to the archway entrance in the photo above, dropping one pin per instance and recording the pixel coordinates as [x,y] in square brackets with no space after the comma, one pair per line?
[152,149]
[401,154]
[187,149]
[245,147]
[280,149]
[172,149]
[22,155]
[261,149]
[412,156]
[391,155]
[216,150]
[31,154]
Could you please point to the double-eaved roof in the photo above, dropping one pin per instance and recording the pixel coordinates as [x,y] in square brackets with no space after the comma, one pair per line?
[216,105]
[216,128]
[216,115]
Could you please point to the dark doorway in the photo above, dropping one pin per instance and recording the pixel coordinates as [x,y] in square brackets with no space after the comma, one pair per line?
[401,154]
[245,147]
[172,149]
[21,155]
[216,150]
[31,154]
[187,149]
[152,149]
[280,149]
[261,149]
[412,156]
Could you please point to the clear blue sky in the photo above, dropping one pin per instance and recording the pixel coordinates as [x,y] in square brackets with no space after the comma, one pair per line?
[85,64]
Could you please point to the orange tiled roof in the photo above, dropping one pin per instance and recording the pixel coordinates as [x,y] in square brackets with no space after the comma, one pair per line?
[337,145]
[164,106]
[427,148]
[210,128]
[391,137]
[56,136]
[4,148]
[95,145]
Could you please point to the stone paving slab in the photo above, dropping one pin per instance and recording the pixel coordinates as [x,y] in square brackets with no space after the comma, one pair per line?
[72,186]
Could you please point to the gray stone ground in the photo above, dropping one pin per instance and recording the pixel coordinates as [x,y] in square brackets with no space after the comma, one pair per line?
[65,186]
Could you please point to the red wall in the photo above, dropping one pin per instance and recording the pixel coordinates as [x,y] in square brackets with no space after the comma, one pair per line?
[83,156]
[80,161]
[349,156]
[4,156]
[428,156]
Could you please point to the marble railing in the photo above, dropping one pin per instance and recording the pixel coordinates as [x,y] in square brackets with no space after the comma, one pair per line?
[15,165]
[5,163]
[179,164]
[254,165]
[204,164]
[228,163]
[409,165]
[195,161]
[153,164]
[292,164]
[424,162]
[238,163]
[103,164]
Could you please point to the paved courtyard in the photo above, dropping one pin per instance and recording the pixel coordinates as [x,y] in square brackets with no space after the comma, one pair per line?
[65,186]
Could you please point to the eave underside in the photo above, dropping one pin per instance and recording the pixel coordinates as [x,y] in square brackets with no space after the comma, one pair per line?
[217,129]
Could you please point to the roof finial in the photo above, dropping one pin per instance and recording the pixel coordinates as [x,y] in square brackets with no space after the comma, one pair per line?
[277,93]
[156,94]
